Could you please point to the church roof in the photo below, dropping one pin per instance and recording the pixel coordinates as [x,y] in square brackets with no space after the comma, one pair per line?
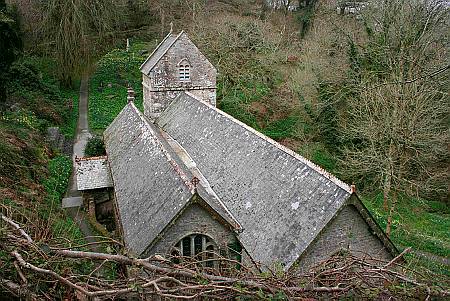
[159,52]
[281,200]
[152,178]
[150,189]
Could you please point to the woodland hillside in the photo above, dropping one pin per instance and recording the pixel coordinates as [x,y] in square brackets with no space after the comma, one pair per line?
[363,94]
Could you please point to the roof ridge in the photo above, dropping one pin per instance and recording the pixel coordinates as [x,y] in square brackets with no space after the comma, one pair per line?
[288,151]
[154,50]
[159,45]
[169,158]
[197,173]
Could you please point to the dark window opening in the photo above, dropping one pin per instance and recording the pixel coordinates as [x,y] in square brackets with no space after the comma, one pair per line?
[198,247]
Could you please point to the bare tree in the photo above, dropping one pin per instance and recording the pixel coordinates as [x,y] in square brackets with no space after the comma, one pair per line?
[397,110]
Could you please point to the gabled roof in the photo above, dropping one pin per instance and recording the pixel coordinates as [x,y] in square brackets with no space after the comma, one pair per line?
[149,187]
[152,180]
[281,200]
[162,49]
[159,52]
[204,189]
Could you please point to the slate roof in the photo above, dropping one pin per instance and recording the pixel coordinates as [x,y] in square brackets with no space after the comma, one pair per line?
[149,188]
[281,200]
[92,173]
[159,52]
[152,179]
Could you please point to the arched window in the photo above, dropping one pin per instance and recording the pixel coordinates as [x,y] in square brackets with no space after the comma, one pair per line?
[184,70]
[197,246]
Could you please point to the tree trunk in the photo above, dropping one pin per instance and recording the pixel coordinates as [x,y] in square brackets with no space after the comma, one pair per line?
[386,190]
[163,21]
[391,213]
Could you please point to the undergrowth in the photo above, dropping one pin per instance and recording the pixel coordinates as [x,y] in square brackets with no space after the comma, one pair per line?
[108,85]
[33,176]
[36,98]
[421,224]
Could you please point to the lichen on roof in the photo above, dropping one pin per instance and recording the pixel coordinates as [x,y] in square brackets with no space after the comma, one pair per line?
[281,199]
[149,188]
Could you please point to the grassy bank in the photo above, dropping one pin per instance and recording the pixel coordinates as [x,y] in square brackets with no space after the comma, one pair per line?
[33,176]
[420,224]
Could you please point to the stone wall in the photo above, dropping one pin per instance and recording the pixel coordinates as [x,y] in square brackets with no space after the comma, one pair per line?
[347,231]
[195,219]
[58,141]
[163,83]
[101,205]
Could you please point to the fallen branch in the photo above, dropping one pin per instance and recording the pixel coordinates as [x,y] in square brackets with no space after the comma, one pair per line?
[335,277]
[17,227]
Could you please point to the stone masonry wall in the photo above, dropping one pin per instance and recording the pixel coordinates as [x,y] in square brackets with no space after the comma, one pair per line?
[347,231]
[195,219]
[163,84]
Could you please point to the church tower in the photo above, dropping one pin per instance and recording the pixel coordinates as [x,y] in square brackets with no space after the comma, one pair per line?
[176,65]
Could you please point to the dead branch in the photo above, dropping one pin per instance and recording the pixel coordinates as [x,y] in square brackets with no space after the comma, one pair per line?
[336,276]
[16,289]
[398,257]
[17,227]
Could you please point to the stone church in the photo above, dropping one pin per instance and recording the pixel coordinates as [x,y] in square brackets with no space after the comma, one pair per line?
[188,179]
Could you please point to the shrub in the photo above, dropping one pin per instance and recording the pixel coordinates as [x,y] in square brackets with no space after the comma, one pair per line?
[95,147]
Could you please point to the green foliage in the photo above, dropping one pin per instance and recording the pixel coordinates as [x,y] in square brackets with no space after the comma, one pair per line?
[418,223]
[33,89]
[327,118]
[95,147]
[108,85]
[239,111]
[10,43]
[20,151]
[64,226]
[305,17]
[325,160]
[55,185]
[277,296]
[282,128]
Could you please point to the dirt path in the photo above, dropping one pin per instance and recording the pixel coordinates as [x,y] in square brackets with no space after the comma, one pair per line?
[73,200]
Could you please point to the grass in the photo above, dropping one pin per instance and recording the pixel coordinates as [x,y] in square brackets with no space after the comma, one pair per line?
[108,85]
[55,185]
[421,224]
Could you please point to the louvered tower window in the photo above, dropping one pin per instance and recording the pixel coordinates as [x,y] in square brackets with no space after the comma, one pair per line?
[184,71]
[195,246]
